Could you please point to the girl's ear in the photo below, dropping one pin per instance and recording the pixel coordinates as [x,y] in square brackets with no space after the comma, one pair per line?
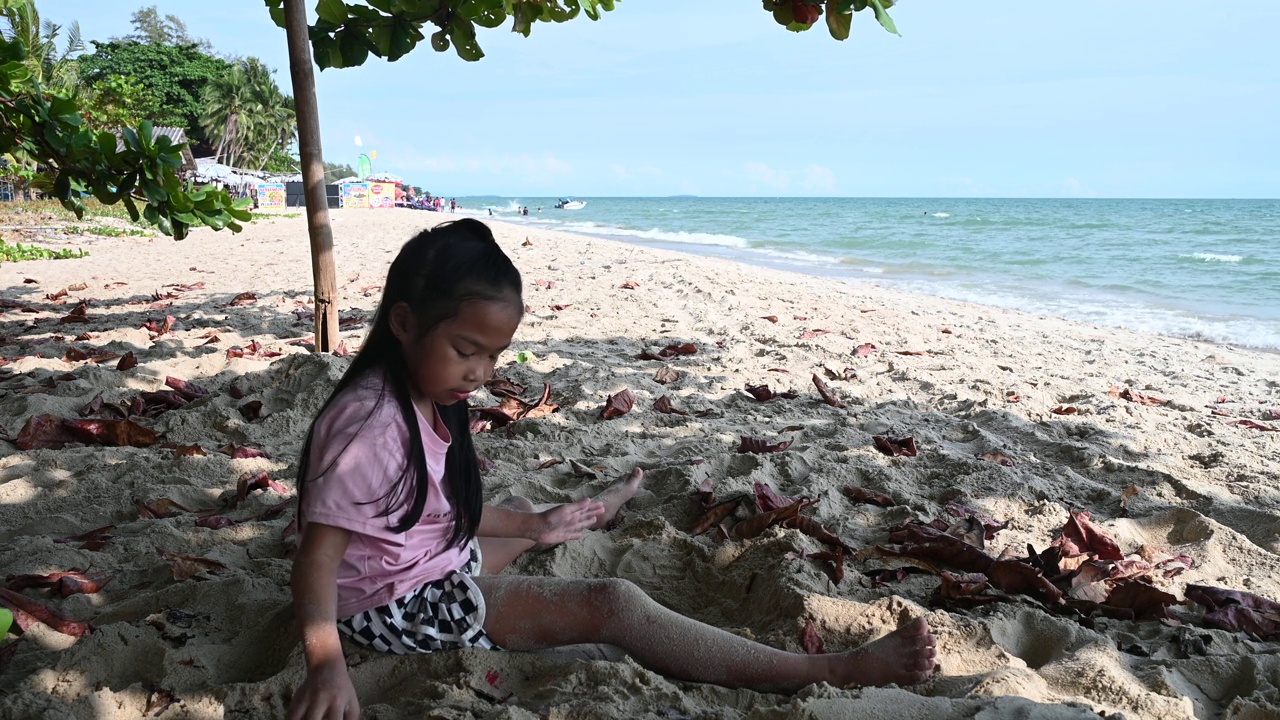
[403,324]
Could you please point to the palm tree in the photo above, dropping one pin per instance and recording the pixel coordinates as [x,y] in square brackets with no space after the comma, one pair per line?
[229,109]
[54,70]
[246,115]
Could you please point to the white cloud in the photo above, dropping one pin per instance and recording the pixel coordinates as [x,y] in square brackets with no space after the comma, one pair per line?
[820,180]
[760,174]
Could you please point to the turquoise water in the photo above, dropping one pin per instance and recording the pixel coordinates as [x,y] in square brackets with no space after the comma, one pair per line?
[1208,269]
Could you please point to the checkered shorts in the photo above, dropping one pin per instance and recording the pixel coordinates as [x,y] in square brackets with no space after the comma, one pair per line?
[444,614]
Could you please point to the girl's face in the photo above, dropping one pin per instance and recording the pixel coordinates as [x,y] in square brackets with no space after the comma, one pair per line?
[449,363]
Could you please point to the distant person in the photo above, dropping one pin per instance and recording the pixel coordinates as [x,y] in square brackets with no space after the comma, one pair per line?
[417,569]
[453,205]
[491,212]
[539,209]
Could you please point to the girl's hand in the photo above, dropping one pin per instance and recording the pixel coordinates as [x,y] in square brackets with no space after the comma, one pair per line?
[567,522]
[326,694]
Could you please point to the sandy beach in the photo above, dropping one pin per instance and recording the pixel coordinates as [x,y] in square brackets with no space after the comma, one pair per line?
[196,622]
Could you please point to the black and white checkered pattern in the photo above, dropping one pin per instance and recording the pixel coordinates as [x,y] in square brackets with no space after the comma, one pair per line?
[445,614]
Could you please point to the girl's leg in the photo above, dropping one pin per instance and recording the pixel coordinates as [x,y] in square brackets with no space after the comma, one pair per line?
[532,613]
[498,553]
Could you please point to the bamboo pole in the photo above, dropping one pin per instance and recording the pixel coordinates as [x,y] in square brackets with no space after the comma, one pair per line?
[307,113]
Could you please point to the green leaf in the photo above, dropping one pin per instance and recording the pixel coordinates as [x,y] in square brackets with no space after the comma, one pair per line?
[334,11]
[276,8]
[883,17]
[62,186]
[402,40]
[838,23]
[6,621]
[352,47]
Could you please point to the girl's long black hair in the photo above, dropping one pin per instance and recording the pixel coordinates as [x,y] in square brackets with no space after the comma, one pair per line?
[435,273]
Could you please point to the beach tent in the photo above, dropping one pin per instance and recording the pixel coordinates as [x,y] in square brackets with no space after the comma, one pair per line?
[207,170]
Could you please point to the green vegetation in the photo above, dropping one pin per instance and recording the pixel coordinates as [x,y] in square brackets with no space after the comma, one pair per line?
[345,33]
[104,231]
[247,118]
[18,252]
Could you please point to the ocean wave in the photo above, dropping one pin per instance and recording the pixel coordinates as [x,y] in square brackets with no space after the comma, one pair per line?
[1214,257]
[941,214]
[656,235]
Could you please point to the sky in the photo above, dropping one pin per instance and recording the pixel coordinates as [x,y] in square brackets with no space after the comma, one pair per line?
[1004,98]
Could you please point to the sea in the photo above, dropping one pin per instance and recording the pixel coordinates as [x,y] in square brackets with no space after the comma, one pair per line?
[1203,269]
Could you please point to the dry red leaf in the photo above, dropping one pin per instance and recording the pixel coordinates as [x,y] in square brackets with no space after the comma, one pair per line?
[26,609]
[1064,410]
[527,243]
[250,482]
[112,433]
[867,497]
[1145,600]
[758,446]
[1000,458]
[815,530]
[618,404]
[239,452]
[128,361]
[828,397]
[768,499]
[56,296]
[485,464]
[1013,576]
[543,407]
[770,318]
[504,388]
[1012,397]
[962,585]
[715,515]
[581,470]
[188,390]
[158,701]
[663,405]
[549,463]
[97,534]
[629,285]
[895,446]
[160,509]
[558,308]
[811,334]
[946,331]
[835,557]
[810,640]
[66,584]
[251,410]
[1136,397]
[161,329]
[1253,425]
[215,522]
[244,298]
[925,543]
[756,524]
[666,375]
[1079,536]
[764,394]
[1238,611]
[865,349]
[188,566]
[911,352]
[9,649]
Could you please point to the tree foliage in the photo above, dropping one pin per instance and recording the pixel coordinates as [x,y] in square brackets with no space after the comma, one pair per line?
[150,28]
[337,171]
[345,33]
[174,77]
[47,128]
[246,116]
[50,66]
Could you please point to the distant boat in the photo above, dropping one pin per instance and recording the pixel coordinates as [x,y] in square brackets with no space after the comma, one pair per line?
[570,204]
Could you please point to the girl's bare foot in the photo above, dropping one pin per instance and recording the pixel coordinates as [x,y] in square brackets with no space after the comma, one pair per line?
[905,656]
[617,495]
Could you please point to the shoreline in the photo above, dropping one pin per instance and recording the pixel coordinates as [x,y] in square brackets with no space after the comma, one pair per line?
[964,380]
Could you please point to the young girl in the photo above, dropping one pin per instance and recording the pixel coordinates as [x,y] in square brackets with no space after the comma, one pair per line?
[399,552]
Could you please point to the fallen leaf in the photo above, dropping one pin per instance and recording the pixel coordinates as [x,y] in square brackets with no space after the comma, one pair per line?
[815,530]
[56,295]
[186,567]
[810,640]
[895,446]
[251,410]
[1136,397]
[235,392]
[1145,600]
[835,570]
[558,308]
[77,287]
[756,524]
[66,584]
[764,394]
[158,701]
[758,445]
[112,433]
[828,397]
[24,607]
[250,482]
[127,362]
[527,243]
[865,349]
[1127,493]
[485,464]
[581,470]
[867,497]
[810,334]
[504,388]
[1000,458]
[666,375]
[1012,397]
[1013,576]
[715,514]
[215,522]
[669,352]
[549,463]
[962,585]
[102,534]
[1238,611]
[242,451]
[1064,410]
[910,352]
[770,318]
[768,499]
[244,298]
[160,509]
[1253,425]
[1080,536]
[629,285]
[618,404]
[663,405]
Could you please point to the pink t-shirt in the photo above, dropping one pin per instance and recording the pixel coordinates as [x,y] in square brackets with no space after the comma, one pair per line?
[360,445]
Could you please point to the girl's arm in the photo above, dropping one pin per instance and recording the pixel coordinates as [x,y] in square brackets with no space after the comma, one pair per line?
[558,524]
[315,600]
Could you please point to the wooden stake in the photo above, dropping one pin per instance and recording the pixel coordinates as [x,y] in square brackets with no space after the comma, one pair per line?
[309,151]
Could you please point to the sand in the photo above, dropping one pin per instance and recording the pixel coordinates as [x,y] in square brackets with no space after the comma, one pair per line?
[222,643]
